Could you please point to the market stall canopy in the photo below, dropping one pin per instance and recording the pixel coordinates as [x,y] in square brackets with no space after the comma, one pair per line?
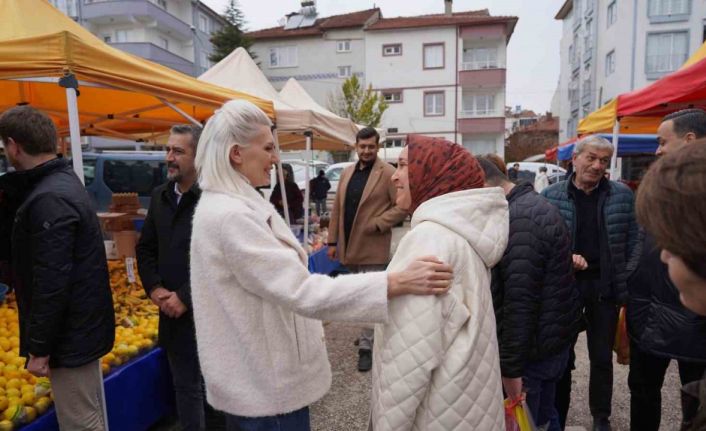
[120,94]
[603,120]
[239,72]
[628,145]
[685,88]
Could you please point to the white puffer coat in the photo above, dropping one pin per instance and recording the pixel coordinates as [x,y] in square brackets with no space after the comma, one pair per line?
[436,364]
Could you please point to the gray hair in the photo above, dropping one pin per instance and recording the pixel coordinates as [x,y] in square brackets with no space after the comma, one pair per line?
[593,141]
[236,123]
[188,129]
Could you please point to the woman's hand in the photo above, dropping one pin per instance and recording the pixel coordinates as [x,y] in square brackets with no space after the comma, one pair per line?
[425,276]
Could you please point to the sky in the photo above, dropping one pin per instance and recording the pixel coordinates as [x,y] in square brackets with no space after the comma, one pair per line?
[533,52]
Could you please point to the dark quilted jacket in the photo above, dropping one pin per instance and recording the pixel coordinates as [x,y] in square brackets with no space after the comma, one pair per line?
[617,214]
[537,306]
[657,320]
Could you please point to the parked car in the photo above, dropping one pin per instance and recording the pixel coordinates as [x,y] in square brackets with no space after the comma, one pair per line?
[297,169]
[333,173]
[123,172]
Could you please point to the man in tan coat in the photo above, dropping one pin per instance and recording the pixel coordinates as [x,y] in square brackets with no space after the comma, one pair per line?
[362,218]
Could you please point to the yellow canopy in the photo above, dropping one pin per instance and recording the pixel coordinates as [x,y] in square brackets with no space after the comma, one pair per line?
[120,94]
[603,119]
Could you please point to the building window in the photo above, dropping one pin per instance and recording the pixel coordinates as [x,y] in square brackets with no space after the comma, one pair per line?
[434,104]
[283,56]
[612,12]
[610,63]
[668,7]
[392,50]
[577,11]
[434,56]
[480,58]
[121,35]
[392,96]
[107,38]
[666,52]
[481,105]
[343,46]
[163,42]
[344,71]
[205,61]
[588,37]
[162,4]
[394,143]
[203,23]
[480,145]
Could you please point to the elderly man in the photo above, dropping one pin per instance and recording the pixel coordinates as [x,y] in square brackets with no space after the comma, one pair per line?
[660,327]
[600,216]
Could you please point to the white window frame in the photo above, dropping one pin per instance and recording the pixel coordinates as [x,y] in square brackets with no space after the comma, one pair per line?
[480,58]
[610,63]
[612,14]
[435,45]
[438,107]
[343,46]
[163,42]
[203,23]
[345,71]
[657,8]
[394,142]
[284,56]
[672,61]
[479,105]
[107,38]
[123,33]
[392,50]
[162,4]
[389,96]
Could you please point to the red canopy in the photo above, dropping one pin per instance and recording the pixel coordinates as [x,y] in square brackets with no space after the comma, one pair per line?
[685,88]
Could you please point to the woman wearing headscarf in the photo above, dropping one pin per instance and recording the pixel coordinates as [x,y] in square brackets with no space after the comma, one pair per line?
[255,304]
[436,364]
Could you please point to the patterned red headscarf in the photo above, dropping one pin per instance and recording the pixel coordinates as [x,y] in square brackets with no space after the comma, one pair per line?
[438,167]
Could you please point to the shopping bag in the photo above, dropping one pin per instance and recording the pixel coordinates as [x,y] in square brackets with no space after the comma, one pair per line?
[517,416]
[621,346]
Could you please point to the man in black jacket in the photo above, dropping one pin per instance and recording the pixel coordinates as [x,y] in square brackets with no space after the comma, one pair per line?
[319,192]
[537,306]
[660,327]
[163,264]
[60,272]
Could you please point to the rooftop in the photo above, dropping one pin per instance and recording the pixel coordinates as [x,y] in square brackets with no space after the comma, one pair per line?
[347,20]
[438,20]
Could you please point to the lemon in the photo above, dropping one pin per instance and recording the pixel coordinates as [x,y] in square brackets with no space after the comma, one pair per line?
[43,387]
[13,393]
[5,343]
[28,398]
[42,405]
[4,403]
[30,414]
[6,425]
[14,413]
[13,384]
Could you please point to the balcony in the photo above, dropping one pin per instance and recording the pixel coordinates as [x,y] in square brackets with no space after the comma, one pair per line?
[478,113]
[157,54]
[474,74]
[127,11]
[481,124]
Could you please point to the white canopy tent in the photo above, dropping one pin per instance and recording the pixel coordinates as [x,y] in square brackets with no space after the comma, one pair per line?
[298,125]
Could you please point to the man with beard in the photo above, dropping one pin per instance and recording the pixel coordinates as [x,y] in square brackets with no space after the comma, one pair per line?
[163,264]
[362,218]
[601,218]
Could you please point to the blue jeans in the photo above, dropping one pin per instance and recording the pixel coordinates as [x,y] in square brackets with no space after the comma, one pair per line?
[540,383]
[294,421]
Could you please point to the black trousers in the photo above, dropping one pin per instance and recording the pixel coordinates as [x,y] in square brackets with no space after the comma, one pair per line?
[645,381]
[601,320]
[194,412]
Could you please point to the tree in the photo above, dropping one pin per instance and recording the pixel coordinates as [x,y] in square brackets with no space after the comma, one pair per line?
[362,105]
[231,35]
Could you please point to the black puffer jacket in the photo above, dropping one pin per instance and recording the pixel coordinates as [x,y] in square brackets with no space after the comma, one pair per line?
[61,273]
[657,321]
[537,307]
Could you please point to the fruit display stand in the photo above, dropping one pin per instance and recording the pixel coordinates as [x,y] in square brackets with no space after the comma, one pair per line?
[138,386]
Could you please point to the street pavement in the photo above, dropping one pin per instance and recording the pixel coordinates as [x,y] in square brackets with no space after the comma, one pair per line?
[345,407]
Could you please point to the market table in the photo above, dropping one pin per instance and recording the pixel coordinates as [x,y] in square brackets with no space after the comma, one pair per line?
[319,263]
[138,394]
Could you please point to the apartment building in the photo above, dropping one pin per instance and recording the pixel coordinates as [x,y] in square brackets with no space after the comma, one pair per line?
[174,33]
[442,74]
[609,47]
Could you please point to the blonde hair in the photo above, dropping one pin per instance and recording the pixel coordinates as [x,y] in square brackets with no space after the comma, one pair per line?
[235,123]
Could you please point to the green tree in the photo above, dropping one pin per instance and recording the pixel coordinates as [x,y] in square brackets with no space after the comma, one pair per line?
[362,105]
[231,35]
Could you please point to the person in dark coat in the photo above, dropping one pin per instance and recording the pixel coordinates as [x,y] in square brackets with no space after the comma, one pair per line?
[163,264]
[60,271]
[660,327]
[319,192]
[537,306]
[295,199]
[601,219]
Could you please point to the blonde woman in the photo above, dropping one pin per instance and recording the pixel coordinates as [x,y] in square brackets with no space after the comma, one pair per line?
[255,304]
